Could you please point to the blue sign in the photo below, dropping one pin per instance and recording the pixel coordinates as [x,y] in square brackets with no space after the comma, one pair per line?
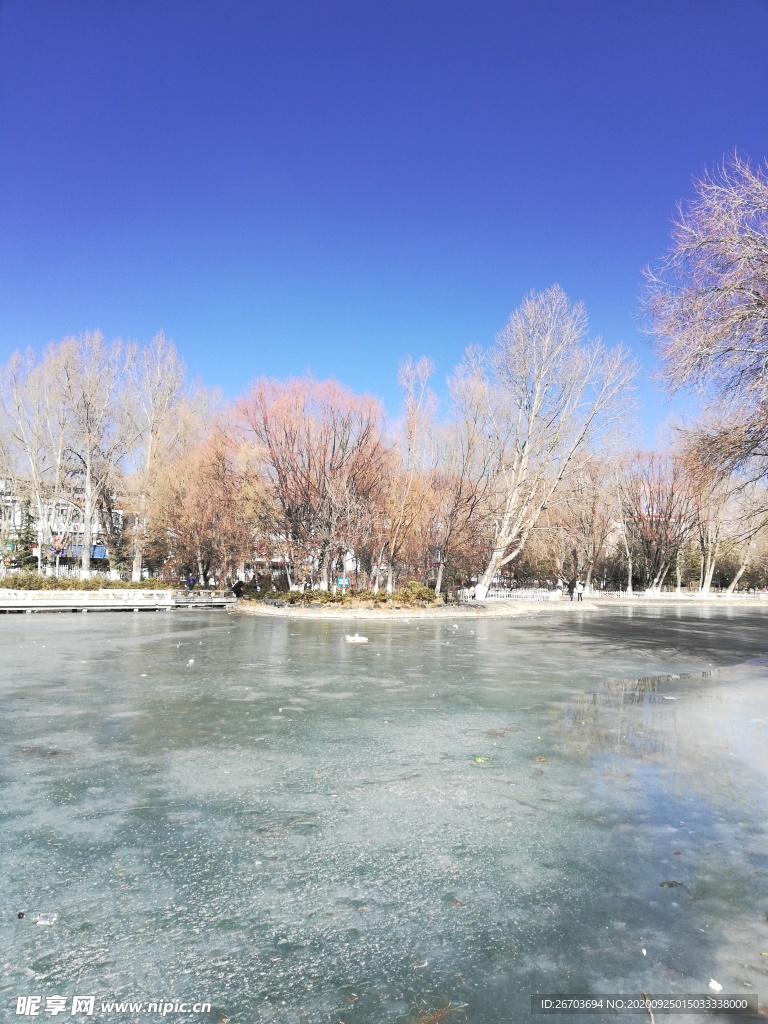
[342,581]
[76,550]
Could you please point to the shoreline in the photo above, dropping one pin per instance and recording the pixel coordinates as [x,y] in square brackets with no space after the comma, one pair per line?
[136,600]
[501,609]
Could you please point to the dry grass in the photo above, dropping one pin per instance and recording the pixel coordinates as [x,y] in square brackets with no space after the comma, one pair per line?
[439,1014]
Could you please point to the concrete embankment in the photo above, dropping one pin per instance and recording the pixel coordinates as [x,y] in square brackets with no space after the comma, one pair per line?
[503,609]
[124,600]
[128,600]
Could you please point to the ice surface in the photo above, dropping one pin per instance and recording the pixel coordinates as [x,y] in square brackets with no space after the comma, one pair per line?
[306,830]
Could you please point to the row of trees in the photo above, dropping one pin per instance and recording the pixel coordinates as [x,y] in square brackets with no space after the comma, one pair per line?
[89,425]
[653,519]
[524,473]
[305,470]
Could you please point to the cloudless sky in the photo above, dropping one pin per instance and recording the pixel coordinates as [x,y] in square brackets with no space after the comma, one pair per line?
[333,184]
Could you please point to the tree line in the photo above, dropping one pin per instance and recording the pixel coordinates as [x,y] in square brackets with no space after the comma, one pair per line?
[526,471]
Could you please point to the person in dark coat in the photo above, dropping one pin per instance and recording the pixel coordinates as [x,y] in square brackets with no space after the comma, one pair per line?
[238,588]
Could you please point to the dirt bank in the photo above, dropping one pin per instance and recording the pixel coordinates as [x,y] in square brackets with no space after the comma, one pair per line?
[500,609]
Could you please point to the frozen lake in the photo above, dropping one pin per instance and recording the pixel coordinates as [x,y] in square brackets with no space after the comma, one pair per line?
[296,829]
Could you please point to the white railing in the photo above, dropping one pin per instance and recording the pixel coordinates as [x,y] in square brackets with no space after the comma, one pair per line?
[510,594]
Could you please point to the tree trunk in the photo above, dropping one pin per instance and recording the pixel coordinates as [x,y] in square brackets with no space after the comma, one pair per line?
[439,580]
[708,573]
[483,584]
[737,577]
[325,565]
[701,567]
[390,579]
[629,571]
[748,551]
[658,582]
[677,570]
[707,583]
[664,576]
[138,552]
[85,570]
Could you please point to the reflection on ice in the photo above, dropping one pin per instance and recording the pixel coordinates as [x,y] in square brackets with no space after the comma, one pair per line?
[301,829]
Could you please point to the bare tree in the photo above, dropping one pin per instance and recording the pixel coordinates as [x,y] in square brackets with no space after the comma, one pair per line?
[549,390]
[711,493]
[158,400]
[37,431]
[749,521]
[708,307]
[407,487]
[323,455]
[462,462]
[729,510]
[8,492]
[205,507]
[624,522]
[656,499]
[582,516]
[101,431]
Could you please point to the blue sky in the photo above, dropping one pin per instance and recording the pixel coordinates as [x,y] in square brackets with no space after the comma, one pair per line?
[333,185]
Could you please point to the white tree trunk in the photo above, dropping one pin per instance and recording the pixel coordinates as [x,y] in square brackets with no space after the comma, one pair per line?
[85,570]
[486,580]
[629,572]
[737,577]
[439,580]
[708,570]
[138,552]
[678,586]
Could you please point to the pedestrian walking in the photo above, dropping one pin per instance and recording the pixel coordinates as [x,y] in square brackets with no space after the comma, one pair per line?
[579,591]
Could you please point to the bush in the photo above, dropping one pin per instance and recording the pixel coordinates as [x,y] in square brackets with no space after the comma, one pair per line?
[33,581]
[368,595]
[321,597]
[414,593]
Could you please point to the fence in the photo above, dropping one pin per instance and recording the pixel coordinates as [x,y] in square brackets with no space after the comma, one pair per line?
[510,594]
[62,572]
[539,594]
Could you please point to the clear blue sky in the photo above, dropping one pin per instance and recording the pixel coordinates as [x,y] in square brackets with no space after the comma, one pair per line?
[332,185]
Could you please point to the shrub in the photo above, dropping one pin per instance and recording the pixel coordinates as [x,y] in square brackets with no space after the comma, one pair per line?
[34,581]
[322,597]
[414,593]
[368,595]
